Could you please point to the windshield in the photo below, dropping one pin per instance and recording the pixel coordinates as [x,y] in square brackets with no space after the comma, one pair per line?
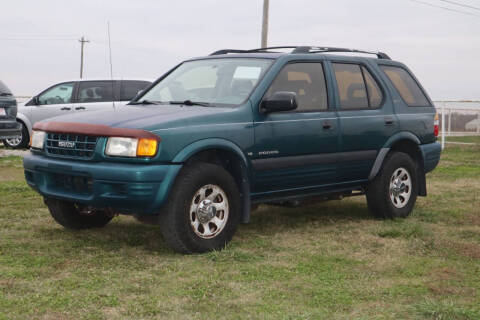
[226,82]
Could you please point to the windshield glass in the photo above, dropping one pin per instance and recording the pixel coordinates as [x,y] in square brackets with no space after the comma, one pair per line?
[226,82]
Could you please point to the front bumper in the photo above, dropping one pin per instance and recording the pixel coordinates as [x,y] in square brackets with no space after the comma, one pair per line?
[126,188]
[431,155]
[10,129]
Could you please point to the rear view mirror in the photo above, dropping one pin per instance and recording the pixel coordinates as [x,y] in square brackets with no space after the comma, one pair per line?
[279,101]
[35,101]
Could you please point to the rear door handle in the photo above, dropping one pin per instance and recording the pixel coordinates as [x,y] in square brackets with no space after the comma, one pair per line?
[327,125]
[389,121]
[80,108]
[66,108]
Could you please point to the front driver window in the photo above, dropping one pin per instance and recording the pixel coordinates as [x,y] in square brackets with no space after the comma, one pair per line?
[59,94]
[307,81]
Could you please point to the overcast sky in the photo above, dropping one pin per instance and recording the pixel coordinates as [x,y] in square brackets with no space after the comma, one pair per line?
[151,36]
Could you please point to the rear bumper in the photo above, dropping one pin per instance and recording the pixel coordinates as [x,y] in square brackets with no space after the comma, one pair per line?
[10,129]
[127,188]
[431,155]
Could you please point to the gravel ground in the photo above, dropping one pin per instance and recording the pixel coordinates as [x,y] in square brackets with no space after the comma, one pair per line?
[6,152]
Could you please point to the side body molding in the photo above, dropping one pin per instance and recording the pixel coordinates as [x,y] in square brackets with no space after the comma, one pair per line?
[215,143]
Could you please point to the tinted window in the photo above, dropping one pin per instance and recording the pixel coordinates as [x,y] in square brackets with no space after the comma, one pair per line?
[357,88]
[351,88]
[95,91]
[307,81]
[4,91]
[58,94]
[375,96]
[406,86]
[130,89]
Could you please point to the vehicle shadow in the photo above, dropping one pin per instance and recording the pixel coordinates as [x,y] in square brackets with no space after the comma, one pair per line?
[268,220]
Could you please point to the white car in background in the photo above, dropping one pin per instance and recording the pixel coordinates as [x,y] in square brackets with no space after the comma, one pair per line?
[73,96]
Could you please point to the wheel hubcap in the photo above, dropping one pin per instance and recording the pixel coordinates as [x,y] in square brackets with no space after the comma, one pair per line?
[400,187]
[209,211]
[13,142]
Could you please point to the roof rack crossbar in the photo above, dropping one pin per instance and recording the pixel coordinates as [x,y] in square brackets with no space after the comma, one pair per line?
[303,49]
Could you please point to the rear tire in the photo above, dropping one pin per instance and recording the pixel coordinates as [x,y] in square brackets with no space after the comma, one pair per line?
[203,209]
[18,143]
[72,216]
[393,192]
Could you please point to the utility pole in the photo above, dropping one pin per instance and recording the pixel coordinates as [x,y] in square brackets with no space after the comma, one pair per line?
[82,43]
[265,24]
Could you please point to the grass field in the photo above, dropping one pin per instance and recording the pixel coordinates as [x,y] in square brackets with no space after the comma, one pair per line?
[331,260]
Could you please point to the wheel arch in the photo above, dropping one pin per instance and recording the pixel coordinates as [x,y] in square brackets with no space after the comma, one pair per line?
[25,121]
[226,154]
[408,143]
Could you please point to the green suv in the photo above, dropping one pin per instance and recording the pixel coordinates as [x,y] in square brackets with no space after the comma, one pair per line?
[216,135]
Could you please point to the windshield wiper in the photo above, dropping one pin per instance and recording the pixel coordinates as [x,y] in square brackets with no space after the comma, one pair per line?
[191,103]
[145,102]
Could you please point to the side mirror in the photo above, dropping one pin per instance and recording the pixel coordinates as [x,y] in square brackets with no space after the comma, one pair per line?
[279,101]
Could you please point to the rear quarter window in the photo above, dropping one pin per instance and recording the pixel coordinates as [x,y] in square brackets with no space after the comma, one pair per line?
[406,86]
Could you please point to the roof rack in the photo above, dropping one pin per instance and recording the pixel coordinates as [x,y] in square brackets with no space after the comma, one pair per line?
[302,49]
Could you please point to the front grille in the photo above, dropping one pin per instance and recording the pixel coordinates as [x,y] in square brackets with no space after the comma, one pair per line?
[71,145]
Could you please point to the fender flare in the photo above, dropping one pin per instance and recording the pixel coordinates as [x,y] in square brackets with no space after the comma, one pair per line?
[217,143]
[403,135]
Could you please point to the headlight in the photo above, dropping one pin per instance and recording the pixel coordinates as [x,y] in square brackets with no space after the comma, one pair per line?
[131,147]
[38,138]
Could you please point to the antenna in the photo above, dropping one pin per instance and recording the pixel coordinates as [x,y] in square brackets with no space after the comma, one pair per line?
[111,64]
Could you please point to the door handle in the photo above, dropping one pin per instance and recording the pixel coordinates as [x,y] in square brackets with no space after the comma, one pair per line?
[80,108]
[66,108]
[389,121]
[327,125]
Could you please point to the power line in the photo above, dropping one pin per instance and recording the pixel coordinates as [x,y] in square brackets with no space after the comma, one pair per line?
[445,8]
[460,4]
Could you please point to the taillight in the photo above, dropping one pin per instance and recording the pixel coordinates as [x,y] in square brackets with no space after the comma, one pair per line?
[435,125]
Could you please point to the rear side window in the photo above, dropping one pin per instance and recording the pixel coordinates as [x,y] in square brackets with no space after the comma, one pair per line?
[130,89]
[357,88]
[307,81]
[95,91]
[406,86]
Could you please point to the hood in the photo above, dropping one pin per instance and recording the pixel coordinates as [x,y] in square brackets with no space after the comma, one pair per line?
[150,117]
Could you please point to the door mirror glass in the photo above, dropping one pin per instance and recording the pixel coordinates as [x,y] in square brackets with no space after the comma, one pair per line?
[279,101]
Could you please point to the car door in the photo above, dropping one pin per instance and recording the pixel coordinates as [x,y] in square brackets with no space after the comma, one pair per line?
[95,95]
[55,101]
[366,118]
[294,149]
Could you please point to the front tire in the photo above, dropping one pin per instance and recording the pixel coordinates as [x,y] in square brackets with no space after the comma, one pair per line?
[203,209]
[73,216]
[20,142]
[393,192]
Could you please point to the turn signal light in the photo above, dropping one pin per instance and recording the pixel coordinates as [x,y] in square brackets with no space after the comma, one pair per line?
[435,125]
[146,147]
